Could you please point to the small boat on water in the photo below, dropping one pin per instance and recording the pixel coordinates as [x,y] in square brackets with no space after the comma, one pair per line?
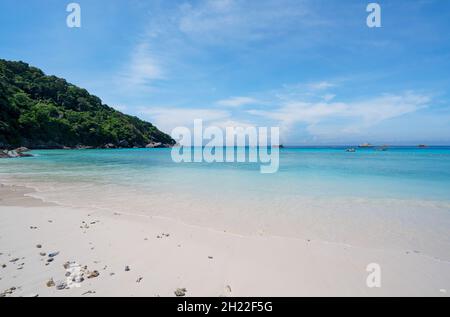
[422,145]
[365,145]
[350,150]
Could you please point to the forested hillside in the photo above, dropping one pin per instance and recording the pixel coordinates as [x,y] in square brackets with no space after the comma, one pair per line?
[39,111]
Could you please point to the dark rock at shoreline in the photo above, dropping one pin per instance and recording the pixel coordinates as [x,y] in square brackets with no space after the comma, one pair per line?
[153,145]
[124,144]
[84,147]
[19,152]
[22,149]
[109,146]
[157,145]
[3,154]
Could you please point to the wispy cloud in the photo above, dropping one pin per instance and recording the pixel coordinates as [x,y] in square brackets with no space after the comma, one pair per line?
[142,68]
[237,101]
[168,118]
[322,85]
[232,21]
[333,118]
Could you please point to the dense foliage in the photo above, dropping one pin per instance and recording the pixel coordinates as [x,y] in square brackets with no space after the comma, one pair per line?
[40,111]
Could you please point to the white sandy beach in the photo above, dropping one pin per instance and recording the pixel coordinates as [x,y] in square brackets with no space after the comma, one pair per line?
[164,255]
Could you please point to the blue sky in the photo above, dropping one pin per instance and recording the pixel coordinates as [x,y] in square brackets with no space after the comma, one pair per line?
[311,67]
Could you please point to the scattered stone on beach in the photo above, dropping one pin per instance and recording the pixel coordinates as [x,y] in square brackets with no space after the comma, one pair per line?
[53,254]
[14,260]
[33,295]
[228,289]
[139,279]
[93,274]
[33,227]
[50,283]
[210,257]
[127,268]
[9,291]
[49,260]
[42,254]
[60,285]
[3,266]
[88,292]
[180,292]
[39,246]
[77,274]
[112,273]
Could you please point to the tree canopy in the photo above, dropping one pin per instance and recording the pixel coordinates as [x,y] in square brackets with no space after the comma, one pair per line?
[40,111]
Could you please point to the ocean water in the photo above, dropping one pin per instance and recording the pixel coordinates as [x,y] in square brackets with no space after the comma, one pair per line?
[397,199]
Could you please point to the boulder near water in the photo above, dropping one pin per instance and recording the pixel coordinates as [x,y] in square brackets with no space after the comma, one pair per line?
[19,152]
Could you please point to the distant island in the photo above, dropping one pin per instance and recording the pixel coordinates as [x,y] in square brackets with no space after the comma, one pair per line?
[46,112]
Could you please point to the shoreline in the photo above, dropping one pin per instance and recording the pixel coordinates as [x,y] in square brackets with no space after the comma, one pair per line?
[33,191]
[164,255]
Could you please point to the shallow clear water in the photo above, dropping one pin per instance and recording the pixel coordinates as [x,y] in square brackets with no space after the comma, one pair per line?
[398,198]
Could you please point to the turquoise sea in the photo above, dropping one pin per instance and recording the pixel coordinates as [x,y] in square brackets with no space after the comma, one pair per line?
[399,198]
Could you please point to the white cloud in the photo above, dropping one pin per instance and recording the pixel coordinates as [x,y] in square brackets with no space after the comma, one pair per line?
[142,68]
[237,101]
[168,118]
[328,97]
[322,85]
[334,118]
[231,21]
[229,123]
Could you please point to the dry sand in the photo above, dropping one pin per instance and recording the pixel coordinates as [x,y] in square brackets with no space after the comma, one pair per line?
[164,255]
